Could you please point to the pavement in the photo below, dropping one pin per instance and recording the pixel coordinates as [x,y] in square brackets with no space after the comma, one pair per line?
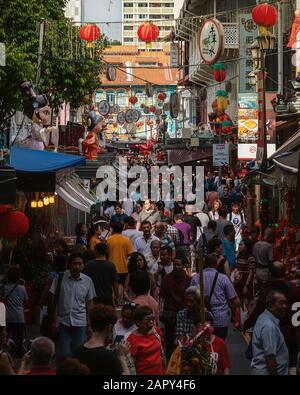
[237,345]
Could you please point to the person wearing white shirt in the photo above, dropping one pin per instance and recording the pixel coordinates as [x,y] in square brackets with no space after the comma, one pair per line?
[143,243]
[131,231]
[237,218]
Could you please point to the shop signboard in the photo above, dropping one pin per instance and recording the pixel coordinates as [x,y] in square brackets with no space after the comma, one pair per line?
[247,33]
[220,154]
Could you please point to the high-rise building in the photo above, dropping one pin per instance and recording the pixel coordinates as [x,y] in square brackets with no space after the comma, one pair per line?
[137,11]
[73,10]
[107,14]
[177,7]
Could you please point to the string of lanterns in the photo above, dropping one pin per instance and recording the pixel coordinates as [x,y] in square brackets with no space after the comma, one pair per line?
[42,199]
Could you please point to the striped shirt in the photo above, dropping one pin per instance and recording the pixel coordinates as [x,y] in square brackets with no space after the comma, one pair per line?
[16,297]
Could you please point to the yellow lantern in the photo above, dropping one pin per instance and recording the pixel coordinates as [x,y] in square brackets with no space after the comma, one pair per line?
[46,201]
[40,203]
[51,199]
[33,204]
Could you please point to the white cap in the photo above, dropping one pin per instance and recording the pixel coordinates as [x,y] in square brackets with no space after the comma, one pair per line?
[2,314]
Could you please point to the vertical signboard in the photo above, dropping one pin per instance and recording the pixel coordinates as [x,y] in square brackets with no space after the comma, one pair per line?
[174,55]
[247,33]
[261,138]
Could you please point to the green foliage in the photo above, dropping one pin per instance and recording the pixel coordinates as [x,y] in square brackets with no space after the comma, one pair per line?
[69,72]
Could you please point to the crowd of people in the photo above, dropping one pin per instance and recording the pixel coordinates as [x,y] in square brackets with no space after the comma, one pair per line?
[129,291]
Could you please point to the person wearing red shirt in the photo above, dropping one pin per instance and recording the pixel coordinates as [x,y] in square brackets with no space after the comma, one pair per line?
[146,344]
[41,352]
[171,301]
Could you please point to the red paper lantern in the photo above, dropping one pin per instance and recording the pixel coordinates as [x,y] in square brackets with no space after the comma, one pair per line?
[148,32]
[89,33]
[13,225]
[162,96]
[153,109]
[133,100]
[4,208]
[264,14]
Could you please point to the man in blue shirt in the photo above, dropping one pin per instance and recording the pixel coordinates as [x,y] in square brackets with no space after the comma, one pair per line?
[270,353]
[228,245]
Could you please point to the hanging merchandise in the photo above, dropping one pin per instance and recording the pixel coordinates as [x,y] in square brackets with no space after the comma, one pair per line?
[162,96]
[222,100]
[219,72]
[148,32]
[89,33]
[174,105]
[91,144]
[295,29]
[149,89]
[104,107]
[121,118]
[153,109]
[264,15]
[133,100]
[158,112]
[146,110]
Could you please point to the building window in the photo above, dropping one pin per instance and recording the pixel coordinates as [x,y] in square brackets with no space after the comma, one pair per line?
[128,27]
[142,16]
[168,16]
[128,5]
[111,97]
[155,16]
[121,98]
[128,39]
[128,16]
[142,4]
[76,11]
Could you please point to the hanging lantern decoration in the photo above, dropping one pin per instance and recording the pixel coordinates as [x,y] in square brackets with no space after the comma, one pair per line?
[219,72]
[162,96]
[264,15]
[148,32]
[89,33]
[13,225]
[51,199]
[133,100]
[226,128]
[222,100]
[153,109]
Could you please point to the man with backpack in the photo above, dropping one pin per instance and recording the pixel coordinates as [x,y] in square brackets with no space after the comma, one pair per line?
[237,218]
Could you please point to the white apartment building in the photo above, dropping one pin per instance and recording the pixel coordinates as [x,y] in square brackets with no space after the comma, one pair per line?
[73,10]
[160,12]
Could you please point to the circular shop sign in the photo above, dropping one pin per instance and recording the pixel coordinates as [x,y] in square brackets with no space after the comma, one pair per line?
[121,118]
[174,105]
[211,41]
[135,115]
[104,107]
[129,117]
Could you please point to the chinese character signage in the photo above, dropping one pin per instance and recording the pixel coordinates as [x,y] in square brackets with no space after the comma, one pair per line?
[174,55]
[220,154]
[211,41]
[248,33]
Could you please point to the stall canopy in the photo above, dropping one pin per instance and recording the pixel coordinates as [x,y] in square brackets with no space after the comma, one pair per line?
[34,161]
[287,156]
[68,185]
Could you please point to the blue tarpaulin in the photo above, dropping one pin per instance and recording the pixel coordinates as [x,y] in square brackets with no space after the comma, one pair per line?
[29,160]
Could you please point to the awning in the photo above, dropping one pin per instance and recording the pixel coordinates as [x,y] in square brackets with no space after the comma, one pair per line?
[289,162]
[72,190]
[180,156]
[29,160]
[287,156]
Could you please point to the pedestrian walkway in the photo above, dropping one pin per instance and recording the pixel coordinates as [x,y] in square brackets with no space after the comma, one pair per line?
[237,346]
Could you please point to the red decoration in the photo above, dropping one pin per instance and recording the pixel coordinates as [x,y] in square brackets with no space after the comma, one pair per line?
[153,109]
[265,15]
[89,33]
[133,100]
[4,208]
[146,149]
[13,225]
[148,32]
[295,30]
[162,96]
